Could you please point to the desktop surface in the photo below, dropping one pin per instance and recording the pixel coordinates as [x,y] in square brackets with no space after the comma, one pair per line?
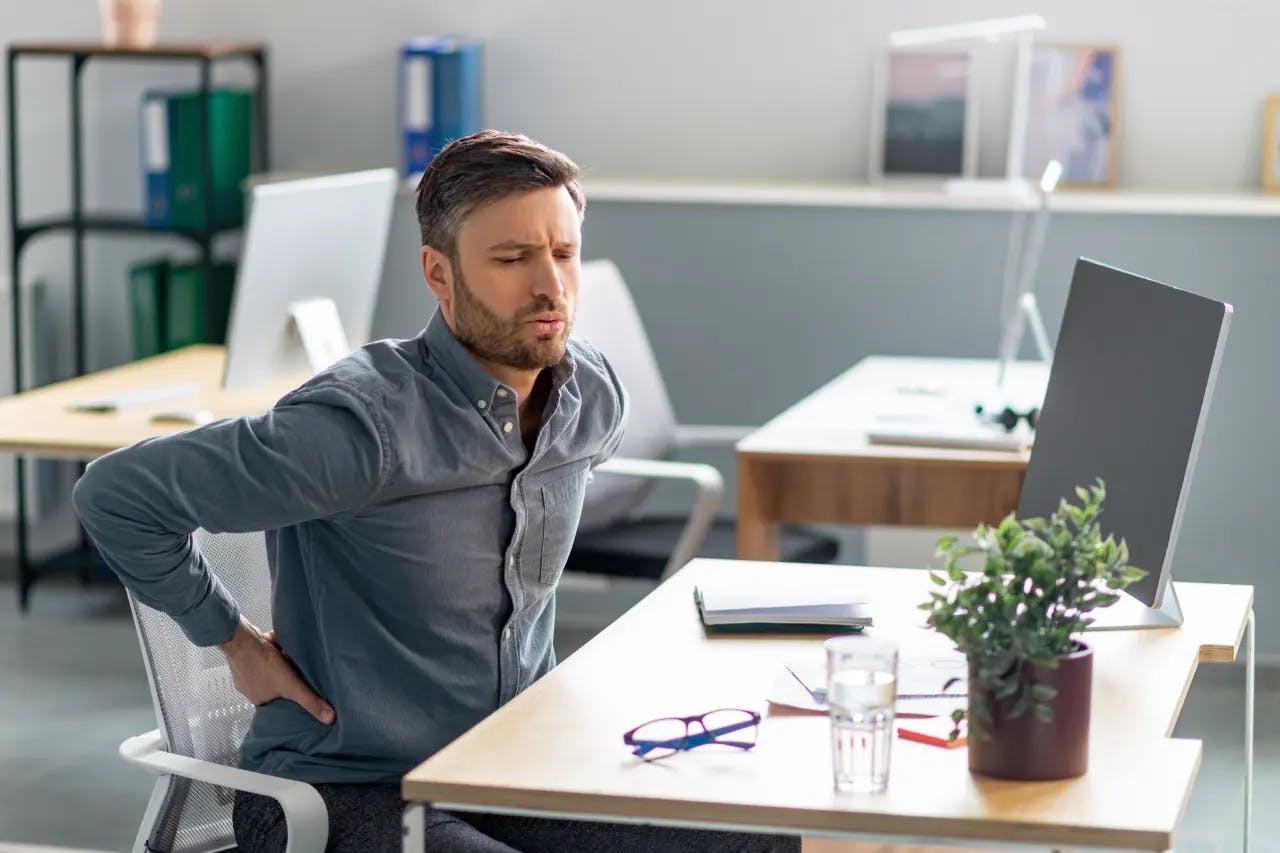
[835,419]
[558,746]
[41,421]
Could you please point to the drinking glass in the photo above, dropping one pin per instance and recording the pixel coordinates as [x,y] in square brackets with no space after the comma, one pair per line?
[862,676]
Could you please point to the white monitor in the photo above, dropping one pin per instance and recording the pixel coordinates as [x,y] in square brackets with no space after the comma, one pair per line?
[1129,392]
[311,264]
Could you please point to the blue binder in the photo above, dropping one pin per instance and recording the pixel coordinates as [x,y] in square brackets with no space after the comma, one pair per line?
[441,96]
[157,189]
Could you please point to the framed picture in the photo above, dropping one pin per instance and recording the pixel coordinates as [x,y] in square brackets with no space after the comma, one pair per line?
[1271,144]
[1073,111]
[924,109]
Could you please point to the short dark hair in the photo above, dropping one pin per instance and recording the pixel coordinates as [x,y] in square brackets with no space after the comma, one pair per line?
[484,167]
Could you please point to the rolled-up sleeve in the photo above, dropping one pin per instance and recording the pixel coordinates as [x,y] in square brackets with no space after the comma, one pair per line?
[321,451]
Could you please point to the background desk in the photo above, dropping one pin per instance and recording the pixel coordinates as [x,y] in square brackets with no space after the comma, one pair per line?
[557,749]
[41,423]
[813,463]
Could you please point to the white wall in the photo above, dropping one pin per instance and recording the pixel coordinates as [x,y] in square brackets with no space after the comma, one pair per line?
[712,88]
[672,88]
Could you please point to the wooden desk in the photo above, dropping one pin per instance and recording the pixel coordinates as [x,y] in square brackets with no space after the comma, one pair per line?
[41,423]
[813,463]
[557,748]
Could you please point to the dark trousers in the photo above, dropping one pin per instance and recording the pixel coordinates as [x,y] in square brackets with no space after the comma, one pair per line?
[367,819]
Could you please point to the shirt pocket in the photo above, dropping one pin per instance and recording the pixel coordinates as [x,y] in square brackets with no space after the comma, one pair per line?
[561,510]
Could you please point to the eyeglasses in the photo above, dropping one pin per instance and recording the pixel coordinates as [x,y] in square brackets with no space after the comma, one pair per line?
[666,736]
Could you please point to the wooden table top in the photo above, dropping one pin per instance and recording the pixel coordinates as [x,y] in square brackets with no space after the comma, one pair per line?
[41,422]
[834,420]
[558,746]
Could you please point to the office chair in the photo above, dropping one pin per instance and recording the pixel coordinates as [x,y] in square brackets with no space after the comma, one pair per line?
[201,720]
[613,539]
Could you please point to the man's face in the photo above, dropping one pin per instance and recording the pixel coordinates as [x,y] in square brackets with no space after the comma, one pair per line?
[514,281]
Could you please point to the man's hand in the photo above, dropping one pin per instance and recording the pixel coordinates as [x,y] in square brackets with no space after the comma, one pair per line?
[261,673]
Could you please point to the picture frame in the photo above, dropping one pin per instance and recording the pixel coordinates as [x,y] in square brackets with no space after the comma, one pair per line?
[1073,113]
[924,114]
[1271,144]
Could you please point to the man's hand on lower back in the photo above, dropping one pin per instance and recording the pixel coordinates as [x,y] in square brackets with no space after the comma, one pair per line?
[260,672]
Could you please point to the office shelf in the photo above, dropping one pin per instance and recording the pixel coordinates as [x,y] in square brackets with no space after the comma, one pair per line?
[210,51]
[111,223]
[919,195]
[80,223]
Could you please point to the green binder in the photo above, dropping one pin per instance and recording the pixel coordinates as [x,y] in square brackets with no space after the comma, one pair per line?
[196,309]
[147,291]
[230,142]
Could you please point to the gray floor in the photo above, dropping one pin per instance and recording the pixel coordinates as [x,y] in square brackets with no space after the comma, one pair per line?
[72,687]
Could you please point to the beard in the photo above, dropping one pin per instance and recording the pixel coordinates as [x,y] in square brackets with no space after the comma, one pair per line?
[505,341]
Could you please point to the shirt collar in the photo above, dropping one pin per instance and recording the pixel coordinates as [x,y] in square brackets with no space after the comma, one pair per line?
[439,342]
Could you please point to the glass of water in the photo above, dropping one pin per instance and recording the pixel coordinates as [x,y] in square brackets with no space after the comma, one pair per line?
[862,676]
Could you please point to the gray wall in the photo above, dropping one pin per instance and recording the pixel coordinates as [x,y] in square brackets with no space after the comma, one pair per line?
[751,307]
[687,88]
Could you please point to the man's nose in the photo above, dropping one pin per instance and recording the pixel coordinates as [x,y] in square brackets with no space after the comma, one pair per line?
[548,281]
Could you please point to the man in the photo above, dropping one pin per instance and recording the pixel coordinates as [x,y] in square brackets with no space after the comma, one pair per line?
[420,498]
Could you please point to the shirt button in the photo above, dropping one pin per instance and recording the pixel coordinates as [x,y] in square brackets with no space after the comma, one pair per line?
[511,561]
[507,427]
[480,403]
[506,633]
[502,392]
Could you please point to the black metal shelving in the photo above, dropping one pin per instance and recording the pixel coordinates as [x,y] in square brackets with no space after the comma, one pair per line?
[80,223]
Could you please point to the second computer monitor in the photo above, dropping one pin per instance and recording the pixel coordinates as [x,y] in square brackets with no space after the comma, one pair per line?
[313,239]
[1133,373]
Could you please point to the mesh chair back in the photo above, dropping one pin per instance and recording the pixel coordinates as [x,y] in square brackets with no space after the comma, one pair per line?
[198,710]
[607,318]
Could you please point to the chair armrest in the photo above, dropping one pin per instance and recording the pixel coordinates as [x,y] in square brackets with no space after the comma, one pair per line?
[704,435]
[705,478]
[305,814]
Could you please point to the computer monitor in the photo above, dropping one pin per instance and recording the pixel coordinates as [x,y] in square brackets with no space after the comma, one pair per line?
[1133,373]
[312,260]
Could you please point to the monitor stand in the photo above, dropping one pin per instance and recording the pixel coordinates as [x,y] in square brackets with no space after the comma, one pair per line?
[320,331]
[1129,613]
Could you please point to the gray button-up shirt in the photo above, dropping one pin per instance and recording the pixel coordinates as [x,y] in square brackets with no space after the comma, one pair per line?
[414,541]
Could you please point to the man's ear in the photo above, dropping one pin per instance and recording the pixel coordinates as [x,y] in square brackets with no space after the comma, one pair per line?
[438,272]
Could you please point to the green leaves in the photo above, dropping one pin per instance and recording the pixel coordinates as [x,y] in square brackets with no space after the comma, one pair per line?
[1043,692]
[1021,592]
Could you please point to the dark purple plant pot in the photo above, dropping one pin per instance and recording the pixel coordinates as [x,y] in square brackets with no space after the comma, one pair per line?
[1028,748]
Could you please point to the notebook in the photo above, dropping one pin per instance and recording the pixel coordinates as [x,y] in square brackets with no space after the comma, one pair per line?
[781,606]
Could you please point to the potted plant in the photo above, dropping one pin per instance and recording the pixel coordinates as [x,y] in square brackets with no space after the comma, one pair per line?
[1018,619]
[129,23]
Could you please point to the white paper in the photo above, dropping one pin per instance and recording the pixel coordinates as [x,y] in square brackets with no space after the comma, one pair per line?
[801,684]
